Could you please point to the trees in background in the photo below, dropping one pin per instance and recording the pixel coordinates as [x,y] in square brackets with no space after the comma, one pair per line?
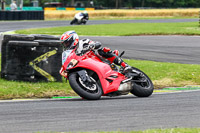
[148,3]
[128,3]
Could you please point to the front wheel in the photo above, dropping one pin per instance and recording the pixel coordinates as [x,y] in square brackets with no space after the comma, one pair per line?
[142,84]
[73,21]
[85,89]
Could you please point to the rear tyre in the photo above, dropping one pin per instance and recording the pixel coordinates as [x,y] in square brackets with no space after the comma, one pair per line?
[142,85]
[83,21]
[86,90]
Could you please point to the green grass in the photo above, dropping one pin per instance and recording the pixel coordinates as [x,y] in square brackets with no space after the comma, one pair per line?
[123,29]
[162,74]
[169,74]
[18,89]
[172,130]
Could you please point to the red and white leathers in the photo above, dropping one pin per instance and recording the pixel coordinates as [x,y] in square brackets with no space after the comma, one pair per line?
[87,44]
[105,52]
[81,47]
[112,56]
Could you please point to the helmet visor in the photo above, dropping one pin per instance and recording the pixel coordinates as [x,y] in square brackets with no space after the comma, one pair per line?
[68,44]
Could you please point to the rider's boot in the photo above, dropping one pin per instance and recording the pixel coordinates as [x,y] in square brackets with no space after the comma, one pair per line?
[126,68]
[114,58]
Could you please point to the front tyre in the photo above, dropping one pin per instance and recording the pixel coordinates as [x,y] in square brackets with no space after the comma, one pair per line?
[73,21]
[142,84]
[86,90]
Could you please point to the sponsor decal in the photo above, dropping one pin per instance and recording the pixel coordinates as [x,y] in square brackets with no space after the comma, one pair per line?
[38,60]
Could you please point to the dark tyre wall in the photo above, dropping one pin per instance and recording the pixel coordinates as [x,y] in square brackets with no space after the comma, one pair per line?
[27,59]
[21,15]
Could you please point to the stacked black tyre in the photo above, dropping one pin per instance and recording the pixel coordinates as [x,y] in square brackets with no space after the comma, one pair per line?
[21,15]
[31,58]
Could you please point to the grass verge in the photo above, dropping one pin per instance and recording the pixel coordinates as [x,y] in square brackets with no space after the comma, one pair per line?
[162,75]
[171,130]
[122,29]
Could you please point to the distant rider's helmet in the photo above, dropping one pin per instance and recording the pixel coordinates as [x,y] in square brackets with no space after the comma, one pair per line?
[85,13]
[69,39]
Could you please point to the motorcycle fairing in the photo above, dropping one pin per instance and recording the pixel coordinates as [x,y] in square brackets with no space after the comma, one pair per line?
[110,80]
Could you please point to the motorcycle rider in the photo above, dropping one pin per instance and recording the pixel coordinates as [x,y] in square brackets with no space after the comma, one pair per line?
[81,16]
[70,41]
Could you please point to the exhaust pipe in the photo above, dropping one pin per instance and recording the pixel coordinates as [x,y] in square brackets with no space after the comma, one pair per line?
[125,86]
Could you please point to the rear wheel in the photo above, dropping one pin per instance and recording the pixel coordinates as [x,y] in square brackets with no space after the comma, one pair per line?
[85,89]
[142,84]
[84,21]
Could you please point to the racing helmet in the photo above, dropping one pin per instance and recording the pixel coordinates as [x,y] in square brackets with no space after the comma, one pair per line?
[85,13]
[69,39]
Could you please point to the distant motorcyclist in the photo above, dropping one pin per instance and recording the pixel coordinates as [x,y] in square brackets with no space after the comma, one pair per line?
[81,17]
[70,41]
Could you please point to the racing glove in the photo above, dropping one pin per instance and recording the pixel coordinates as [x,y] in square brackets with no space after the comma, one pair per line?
[94,45]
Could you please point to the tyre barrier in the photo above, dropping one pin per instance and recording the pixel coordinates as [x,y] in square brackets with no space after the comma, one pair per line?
[21,15]
[31,58]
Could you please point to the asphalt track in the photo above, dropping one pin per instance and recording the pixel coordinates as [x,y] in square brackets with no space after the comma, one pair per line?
[16,25]
[124,113]
[176,49]
[179,49]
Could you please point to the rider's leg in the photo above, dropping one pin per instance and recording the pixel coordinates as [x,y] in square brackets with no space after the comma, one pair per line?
[112,57]
[116,52]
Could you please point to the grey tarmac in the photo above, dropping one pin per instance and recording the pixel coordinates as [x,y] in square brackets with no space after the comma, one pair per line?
[179,49]
[16,25]
[124,113]
[176,49]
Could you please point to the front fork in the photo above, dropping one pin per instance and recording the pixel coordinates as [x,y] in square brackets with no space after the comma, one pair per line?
[84,76]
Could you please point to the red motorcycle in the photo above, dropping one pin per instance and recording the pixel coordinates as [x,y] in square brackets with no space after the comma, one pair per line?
[92,76]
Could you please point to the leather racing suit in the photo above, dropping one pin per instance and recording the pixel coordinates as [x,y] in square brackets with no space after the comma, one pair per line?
[86,44]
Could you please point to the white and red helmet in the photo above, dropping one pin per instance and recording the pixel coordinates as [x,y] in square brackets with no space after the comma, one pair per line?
[69,39]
